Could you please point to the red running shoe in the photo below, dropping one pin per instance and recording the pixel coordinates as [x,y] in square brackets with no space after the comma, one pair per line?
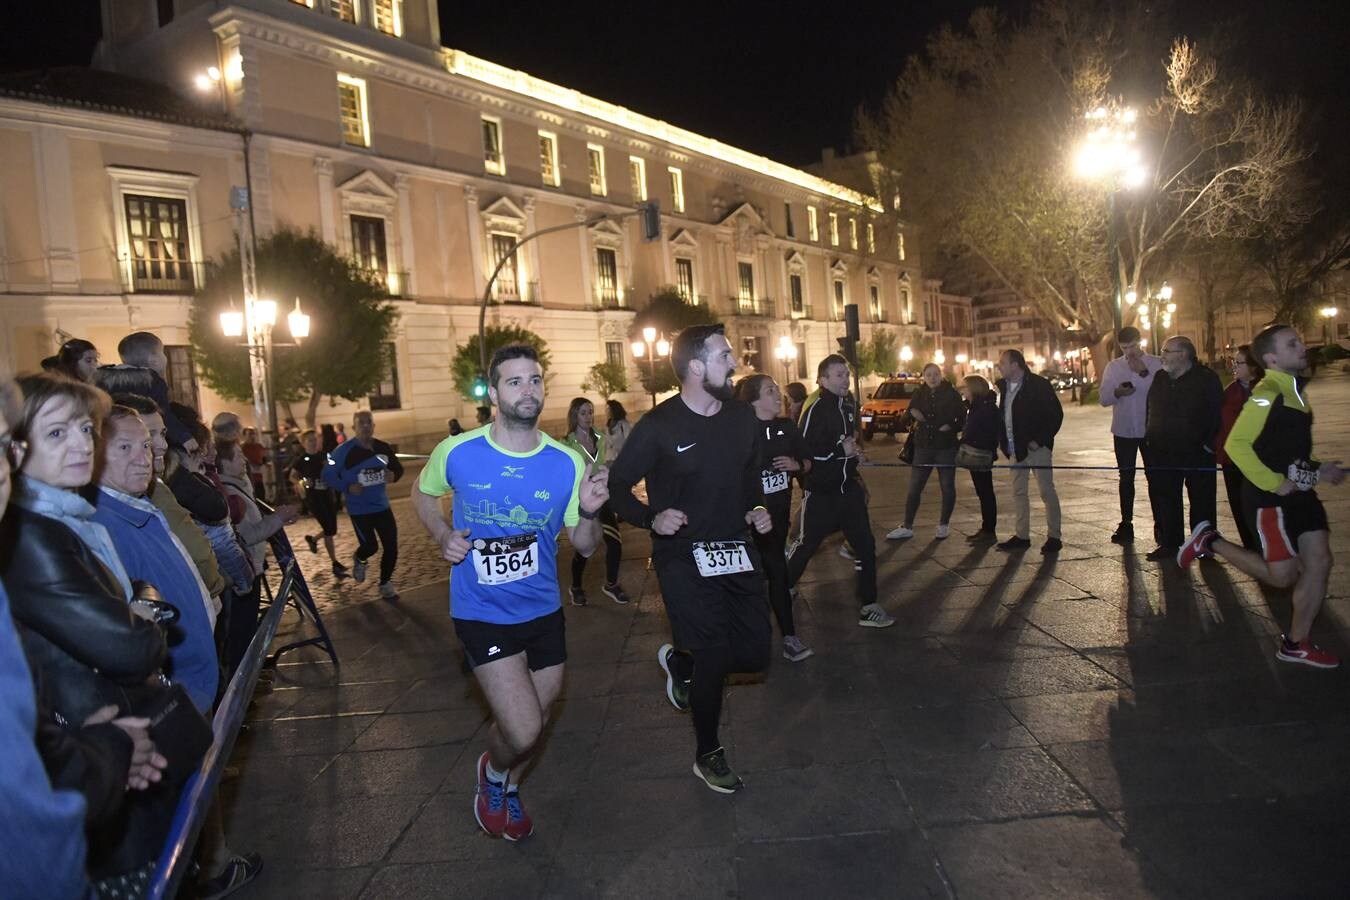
[1197,545]
[489,801]
[1306,653]
[519,825]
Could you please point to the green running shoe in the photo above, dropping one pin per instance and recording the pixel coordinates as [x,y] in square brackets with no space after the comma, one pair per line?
[716,774]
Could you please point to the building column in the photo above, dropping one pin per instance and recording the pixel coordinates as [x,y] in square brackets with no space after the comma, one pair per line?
[407,258]
[323,174]
[535,272]
[475,239]
[56,209]
[587,263]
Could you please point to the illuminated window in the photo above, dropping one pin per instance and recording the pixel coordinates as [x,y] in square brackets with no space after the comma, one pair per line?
[607,277]
[596,164]
[900,245]
[839,299]
[812,224]
[853,233]
[157,231]
[871,238]
[494,160]
[676,190]
[389,16]
[795,290]
[368,244]
[787,220]
[352,111]
[684,278]
[874,298]
[614,353]
[346,10]
[834,229]
[507,285]
[745,277]
[548,159]
[637,171]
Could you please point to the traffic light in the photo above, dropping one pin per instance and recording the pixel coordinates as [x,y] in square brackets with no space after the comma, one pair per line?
[848,348]
[479,387]
[848,344]
[649,212]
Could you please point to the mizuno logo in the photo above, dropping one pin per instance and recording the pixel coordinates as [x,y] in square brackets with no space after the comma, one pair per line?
[679,449]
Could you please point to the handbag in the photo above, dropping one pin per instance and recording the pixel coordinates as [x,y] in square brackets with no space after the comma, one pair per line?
[907,451]
[968,457]
[180,731]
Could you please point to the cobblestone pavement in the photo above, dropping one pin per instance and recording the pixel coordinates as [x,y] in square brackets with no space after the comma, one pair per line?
[1091,725]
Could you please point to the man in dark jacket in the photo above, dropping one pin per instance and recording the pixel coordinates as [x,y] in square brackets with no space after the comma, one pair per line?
[1184,401]
[835,497]
[1029,419]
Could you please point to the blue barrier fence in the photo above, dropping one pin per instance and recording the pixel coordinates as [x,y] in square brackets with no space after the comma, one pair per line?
[200,789]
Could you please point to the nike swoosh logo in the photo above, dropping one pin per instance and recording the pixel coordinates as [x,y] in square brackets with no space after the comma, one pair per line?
[679,449]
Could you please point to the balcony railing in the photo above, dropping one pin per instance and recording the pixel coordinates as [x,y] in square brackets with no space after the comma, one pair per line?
[158,276]
[744,306]
[526,295]
[612,298]
[804,312]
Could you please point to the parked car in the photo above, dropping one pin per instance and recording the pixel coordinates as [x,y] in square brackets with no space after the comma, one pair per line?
[885,406]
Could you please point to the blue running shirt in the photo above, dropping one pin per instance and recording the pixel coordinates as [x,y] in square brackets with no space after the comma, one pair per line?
[514,505]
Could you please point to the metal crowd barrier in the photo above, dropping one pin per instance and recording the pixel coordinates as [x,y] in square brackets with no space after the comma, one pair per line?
[200,790]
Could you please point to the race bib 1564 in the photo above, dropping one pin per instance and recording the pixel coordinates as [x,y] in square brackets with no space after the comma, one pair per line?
[505,559]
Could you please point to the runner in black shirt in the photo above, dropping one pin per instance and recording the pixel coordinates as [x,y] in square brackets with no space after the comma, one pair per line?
[699,453]
[320,499]
[783,453]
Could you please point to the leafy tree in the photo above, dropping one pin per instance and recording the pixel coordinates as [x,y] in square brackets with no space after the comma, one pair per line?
[344,356]
[978,135]
[878,355]
[669,314]
[464,366]
[606,379]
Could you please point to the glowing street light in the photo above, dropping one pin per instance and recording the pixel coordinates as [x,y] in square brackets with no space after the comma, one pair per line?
[962,359]
[1109,153]
[786,353]
[939,357]
[906,354]
[298,322]
[1327,313]
[651,348]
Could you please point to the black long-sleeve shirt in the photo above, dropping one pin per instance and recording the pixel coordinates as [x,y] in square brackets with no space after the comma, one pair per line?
[827,421]
[708,467]
[779,437]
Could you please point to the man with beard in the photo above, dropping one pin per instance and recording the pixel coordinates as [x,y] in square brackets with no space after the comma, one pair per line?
[836,499]
[700,454]
[514,490]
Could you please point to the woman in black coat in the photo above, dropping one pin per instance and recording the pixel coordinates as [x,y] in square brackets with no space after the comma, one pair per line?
[939,415]
[981,432]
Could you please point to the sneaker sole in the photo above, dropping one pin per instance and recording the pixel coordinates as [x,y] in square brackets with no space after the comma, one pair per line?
[1279,654]
[899,537]
[721,790]
[871,623]
[1190,542]
[507,837]
[805,654]
[613,597]
[670,678]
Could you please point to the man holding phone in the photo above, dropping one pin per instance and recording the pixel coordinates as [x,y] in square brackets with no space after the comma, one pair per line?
[1125,389]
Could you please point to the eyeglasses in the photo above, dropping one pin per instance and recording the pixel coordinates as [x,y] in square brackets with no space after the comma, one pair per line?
[13,450]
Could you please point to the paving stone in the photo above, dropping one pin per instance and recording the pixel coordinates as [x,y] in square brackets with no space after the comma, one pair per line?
[780,804]
[1051,856]
[675,812]
[651,873]
[863,864]
[987,786]
[957,728]
[279,883]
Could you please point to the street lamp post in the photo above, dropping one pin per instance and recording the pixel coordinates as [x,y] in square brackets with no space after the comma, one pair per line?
[786,352]
[651,347]
[1156,307]
[906,354]
[1108,152]
[1327,313]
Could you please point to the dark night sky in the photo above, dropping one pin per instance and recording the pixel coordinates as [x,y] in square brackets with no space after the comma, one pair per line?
[780,79]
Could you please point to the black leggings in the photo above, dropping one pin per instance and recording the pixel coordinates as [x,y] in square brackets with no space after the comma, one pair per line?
[242,610]
[827,511]
[609,526]
[1233,481]
[373,530]
[771,551]
[983,480]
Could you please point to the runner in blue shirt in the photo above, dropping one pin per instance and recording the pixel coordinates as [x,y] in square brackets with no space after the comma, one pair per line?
[514,490]
[359,469]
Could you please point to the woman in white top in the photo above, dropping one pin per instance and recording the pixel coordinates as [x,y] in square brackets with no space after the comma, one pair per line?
[618,427]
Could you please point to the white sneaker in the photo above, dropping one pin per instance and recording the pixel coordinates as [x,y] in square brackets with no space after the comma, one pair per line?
[943,531]
[845,552]
[794,650]
[873,616]
[900,533]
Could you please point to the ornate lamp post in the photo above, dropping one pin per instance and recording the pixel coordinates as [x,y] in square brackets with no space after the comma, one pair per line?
[906,354]
[786,353]
[1327,313]
[651,347]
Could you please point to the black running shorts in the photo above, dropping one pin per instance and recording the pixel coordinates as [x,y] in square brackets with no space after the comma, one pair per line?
[542,640]
[323,507]
[723,610]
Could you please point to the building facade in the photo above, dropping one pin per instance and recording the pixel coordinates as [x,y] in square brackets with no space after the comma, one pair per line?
[424,163]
